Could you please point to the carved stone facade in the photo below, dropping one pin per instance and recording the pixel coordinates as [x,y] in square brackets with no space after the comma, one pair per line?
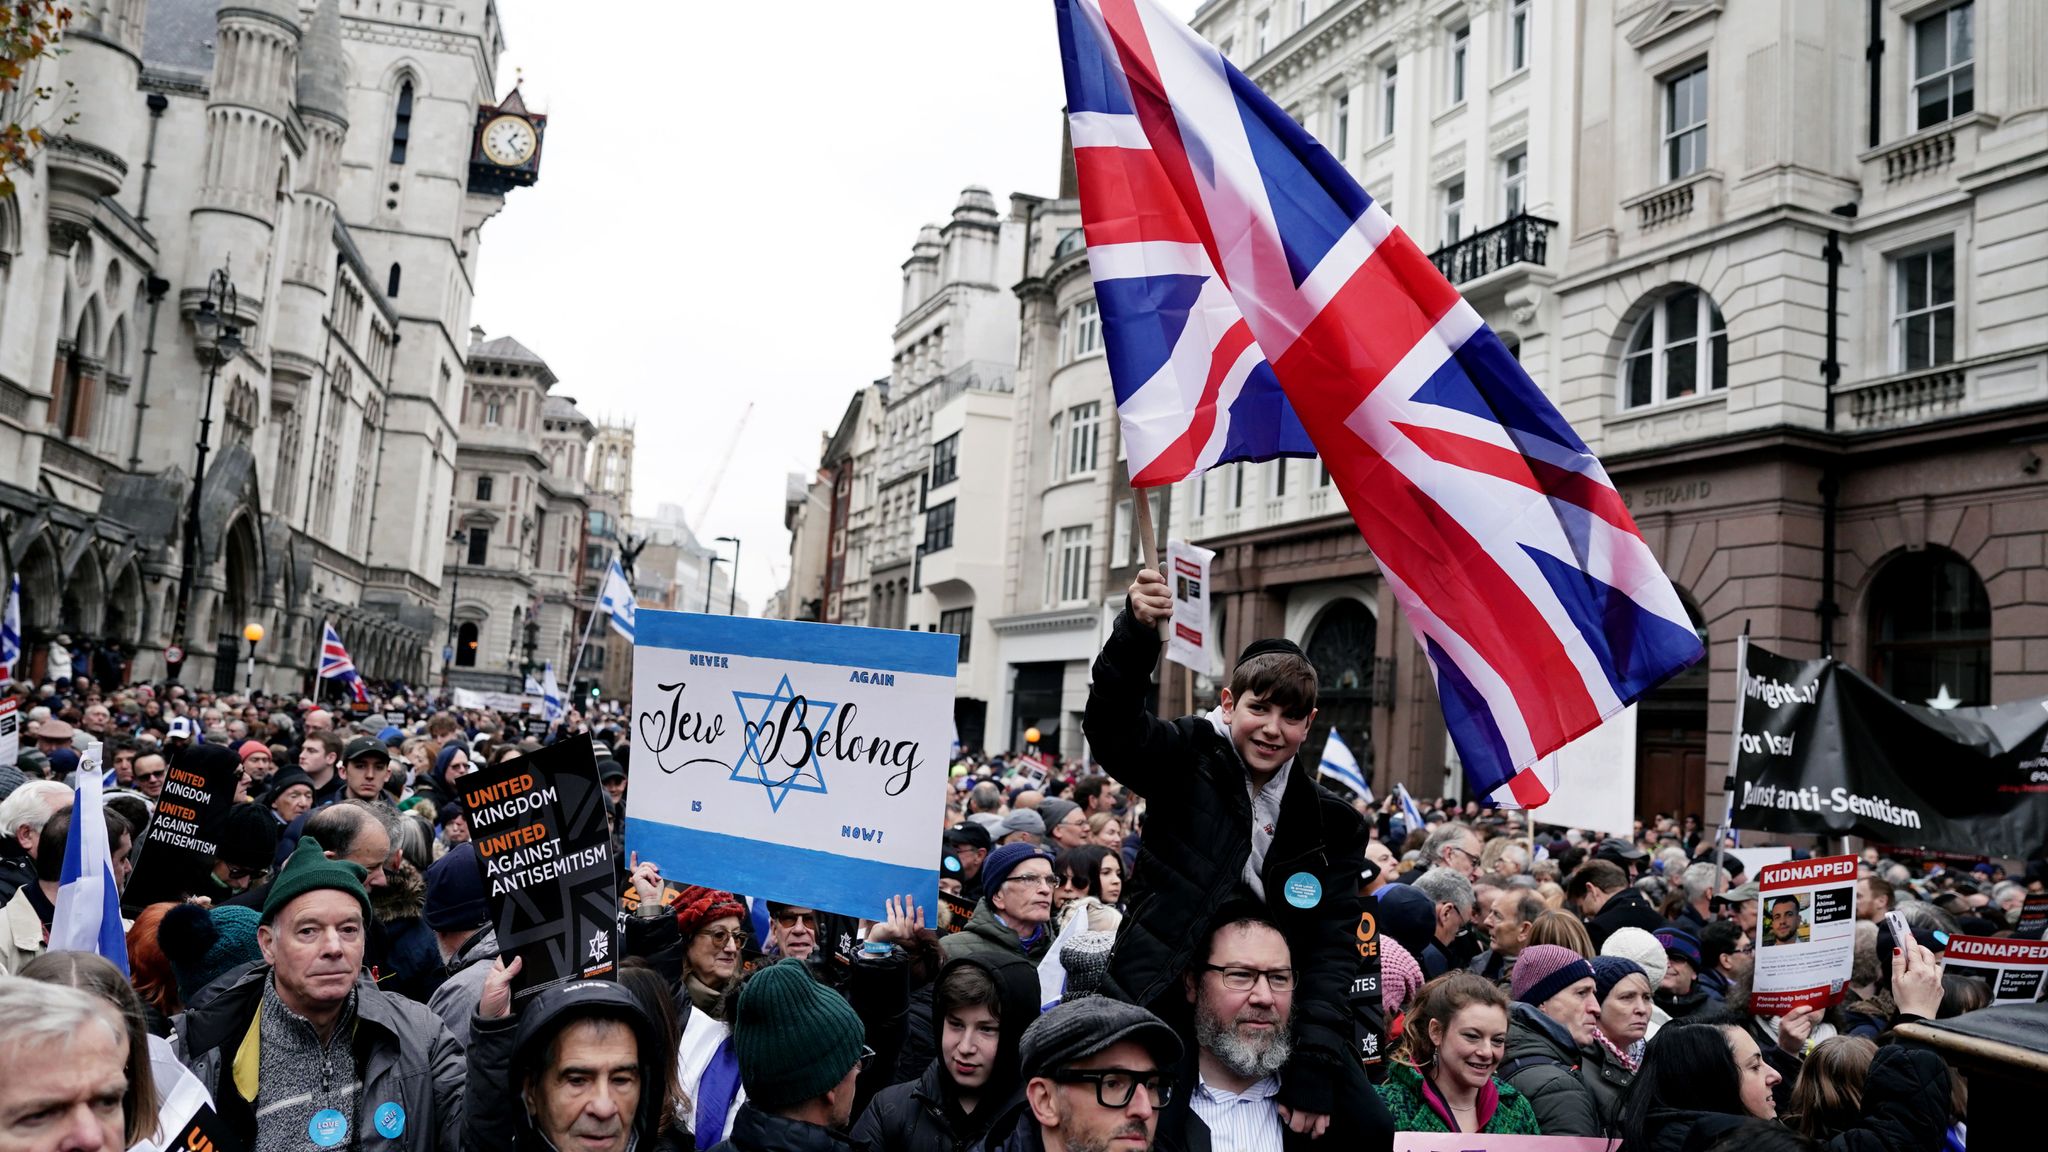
[317,154]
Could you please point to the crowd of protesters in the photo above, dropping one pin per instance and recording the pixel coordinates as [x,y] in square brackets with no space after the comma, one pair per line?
[1154,948]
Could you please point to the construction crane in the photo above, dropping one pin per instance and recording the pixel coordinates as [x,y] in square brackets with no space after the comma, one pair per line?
[732,441]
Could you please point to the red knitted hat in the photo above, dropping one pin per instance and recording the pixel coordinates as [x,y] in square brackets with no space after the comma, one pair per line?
[698,906]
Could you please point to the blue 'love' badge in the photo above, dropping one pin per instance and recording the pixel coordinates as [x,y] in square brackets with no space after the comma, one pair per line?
[389,1120]
[1303,890]
[328,1127]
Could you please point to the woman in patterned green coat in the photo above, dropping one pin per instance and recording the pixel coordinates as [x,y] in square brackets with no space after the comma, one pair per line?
[1443,1071]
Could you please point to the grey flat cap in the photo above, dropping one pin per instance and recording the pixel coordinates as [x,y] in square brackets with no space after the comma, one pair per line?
[1081,1028]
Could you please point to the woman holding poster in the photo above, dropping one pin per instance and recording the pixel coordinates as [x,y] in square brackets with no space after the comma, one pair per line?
[1442,1078]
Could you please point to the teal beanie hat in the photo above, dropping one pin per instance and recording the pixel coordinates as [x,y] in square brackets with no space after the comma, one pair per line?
[795,1038]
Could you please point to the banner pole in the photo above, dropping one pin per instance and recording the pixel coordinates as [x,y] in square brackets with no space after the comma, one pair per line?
[1734,754]
[1148,541]
[576,664]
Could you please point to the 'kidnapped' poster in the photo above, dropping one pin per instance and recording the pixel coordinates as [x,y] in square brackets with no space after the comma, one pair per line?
[540,829]
[1805,934]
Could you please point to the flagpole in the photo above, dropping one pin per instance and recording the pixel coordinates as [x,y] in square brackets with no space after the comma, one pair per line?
[576,664]
[1734,755]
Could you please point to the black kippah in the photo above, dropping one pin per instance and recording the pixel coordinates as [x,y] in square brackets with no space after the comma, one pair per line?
[1268,647]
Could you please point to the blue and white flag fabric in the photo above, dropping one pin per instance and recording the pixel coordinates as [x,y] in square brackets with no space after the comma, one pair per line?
[551,708]
[615,600]
[88,917]
[1409,811]
[1340,765]
[10,629]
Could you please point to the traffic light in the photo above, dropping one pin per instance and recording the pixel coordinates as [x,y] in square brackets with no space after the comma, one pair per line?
[593,692]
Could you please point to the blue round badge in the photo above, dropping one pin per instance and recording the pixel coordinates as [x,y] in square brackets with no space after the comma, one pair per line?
[389,1120]
[1304,890]
[328,1127]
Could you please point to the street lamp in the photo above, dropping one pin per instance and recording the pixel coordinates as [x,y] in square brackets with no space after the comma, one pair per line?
[732,590]
[220,341]
[459,539]
[252,632]
[710,571]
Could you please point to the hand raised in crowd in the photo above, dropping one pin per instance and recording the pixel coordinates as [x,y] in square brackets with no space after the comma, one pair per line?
[1916,980]
[497,995]
[1151,600]
[646,880]
[1795,1027]
[902,920]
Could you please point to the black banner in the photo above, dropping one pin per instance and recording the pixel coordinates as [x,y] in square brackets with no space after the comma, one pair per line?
[539,824]
[2033,923]
[1823,751]
[183,837]
[1366,1000]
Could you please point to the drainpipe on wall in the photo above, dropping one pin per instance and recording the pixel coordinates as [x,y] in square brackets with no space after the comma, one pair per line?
[157,102]
[1830,481]
[156,287]
[1873,54]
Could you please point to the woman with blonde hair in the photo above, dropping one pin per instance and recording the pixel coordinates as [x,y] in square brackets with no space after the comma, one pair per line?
[1442,1077]
[1562,929]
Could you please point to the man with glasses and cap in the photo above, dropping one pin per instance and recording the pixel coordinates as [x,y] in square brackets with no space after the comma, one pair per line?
[1097,1074]
[1010,922]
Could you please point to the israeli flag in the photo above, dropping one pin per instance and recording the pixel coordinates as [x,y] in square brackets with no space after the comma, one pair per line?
[615,600]
[88,917]
[1340,765]
[1409,812]
[550,695]
[10,628]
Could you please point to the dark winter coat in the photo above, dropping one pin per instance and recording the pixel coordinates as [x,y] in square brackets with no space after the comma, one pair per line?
[1607,1077]
[922,1115]
[756,1131]
[986,937]
[1627,908]
[1905,1104]
[1198,837]
[1543,1064]
[402,1052]
[504,1051]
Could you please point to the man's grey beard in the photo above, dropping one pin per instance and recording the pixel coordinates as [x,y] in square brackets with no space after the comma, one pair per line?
[1254,1060]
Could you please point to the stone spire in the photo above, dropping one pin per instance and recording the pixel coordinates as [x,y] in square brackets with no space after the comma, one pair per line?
[323,65]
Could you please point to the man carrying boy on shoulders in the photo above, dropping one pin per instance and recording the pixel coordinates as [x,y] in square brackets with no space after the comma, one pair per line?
[1229,815]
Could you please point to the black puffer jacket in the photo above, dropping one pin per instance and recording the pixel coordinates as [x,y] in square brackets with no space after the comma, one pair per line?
[923,1115]
[1545,1067]
[505,1050]
[1627,908]
[1905,1104]
[1198,831]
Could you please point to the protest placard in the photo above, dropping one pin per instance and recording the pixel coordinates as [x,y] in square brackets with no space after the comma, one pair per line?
[2016,971]
[1366,999]
[2033,923]
[1805,934]
[1485,1142]
[179,846]
[1187,576]
[801,763]
[539,825]
[10,732]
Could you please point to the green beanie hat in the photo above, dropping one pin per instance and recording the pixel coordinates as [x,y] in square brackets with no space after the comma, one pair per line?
[309,870]
[795,1038]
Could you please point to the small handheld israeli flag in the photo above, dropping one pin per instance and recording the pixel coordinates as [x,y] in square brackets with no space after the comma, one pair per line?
[1409,812]
[88,916]
[1340,765]
[615,600]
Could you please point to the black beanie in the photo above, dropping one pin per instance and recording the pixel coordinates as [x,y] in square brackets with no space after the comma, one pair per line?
[455,900]
[248,838]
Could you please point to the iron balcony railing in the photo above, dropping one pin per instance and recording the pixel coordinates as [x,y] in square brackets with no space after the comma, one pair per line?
[1520,239]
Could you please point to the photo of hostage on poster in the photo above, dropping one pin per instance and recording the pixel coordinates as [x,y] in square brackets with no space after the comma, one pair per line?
[539,826]
[1806,934]
[2016,971]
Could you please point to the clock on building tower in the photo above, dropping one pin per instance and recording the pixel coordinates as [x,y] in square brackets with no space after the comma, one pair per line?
[505,153]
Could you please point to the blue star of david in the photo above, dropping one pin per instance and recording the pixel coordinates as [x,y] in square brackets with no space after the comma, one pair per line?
[778,779]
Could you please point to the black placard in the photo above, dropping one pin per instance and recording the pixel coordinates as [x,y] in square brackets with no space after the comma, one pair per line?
[183,837]
[539,826]
[2034,917]
[1825,752]
[1366,1000]
[204,1132]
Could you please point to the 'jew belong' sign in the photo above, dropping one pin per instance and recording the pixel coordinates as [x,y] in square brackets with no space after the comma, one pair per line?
[801,763]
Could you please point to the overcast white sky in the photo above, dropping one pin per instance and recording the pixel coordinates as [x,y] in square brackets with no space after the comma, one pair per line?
[727,194]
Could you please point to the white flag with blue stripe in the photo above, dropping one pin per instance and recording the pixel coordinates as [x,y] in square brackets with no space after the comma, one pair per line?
[550,695]
[10,628]
[1409,811]
[88,917]
[615,600]
[1340,765]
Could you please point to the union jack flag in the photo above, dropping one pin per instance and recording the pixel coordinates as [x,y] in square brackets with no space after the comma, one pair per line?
[1256,303]
[335,664]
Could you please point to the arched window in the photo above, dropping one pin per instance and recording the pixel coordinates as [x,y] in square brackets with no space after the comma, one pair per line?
[465,645]
[401,123]
[1930,629]
[1666,359]
[391,281]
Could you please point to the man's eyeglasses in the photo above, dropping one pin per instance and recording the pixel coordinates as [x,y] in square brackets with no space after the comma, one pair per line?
[253,875]
[1468,855]
[792,919]
[723,936]
[1114,1087]
[1245,979]
[1041,879]
[867,1057]
[158,775]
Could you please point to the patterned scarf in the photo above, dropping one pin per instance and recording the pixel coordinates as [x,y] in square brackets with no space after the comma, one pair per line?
[1621,1054]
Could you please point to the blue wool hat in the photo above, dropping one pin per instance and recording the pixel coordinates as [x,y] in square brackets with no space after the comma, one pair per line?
[1004,860]
[1609,971]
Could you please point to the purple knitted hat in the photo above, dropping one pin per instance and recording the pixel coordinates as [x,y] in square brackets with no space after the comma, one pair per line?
[1544,970]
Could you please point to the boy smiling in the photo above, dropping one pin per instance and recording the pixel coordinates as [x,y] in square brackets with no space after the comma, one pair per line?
[1228,815]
